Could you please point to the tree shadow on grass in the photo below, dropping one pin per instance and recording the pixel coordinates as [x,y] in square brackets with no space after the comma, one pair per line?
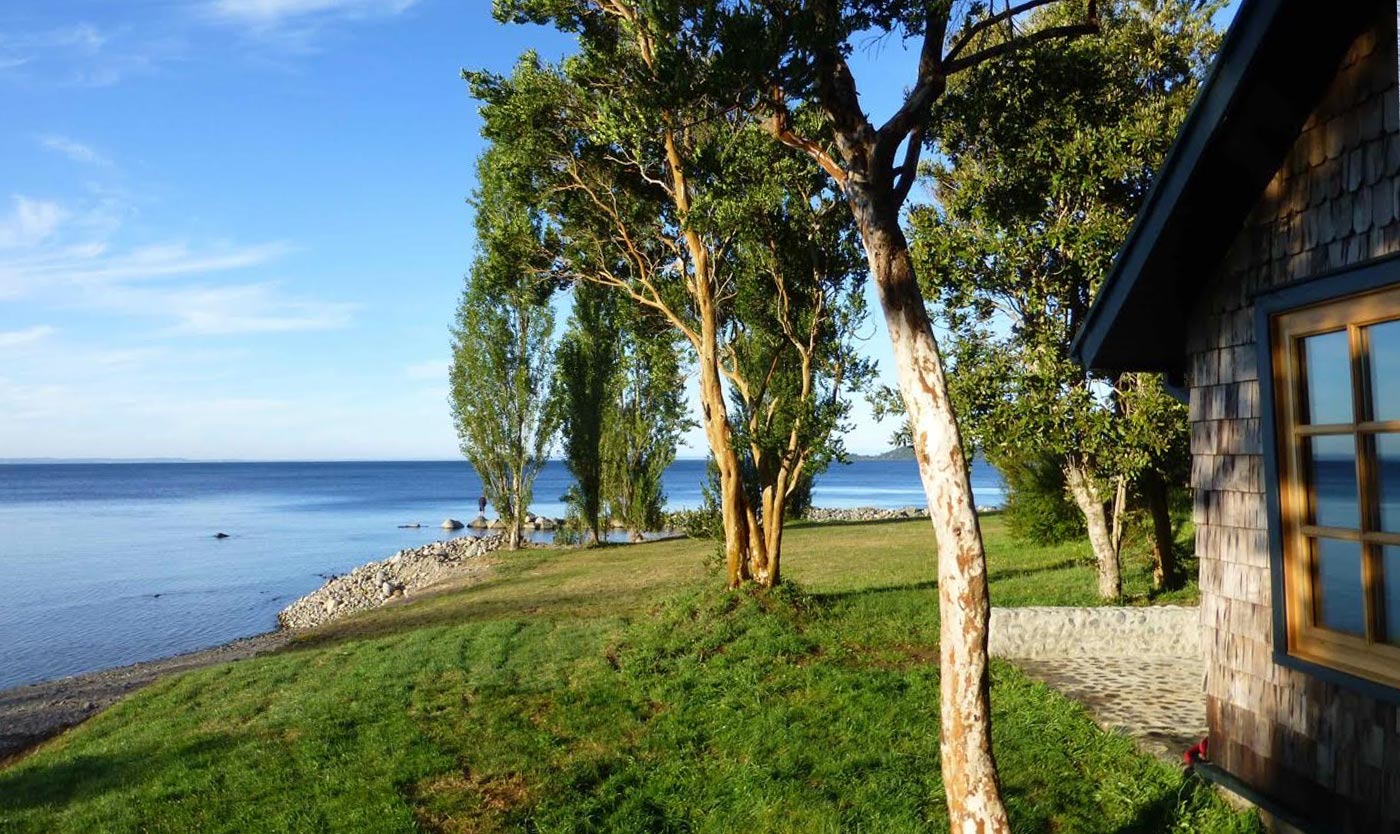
[1159,814]
[86,777]
[858,593]
[430,612]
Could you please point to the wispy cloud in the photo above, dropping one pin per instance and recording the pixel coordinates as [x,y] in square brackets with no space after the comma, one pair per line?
[250,308]
[266,12]
[46,256]
[15,338]
[83,54]
[74,150]
[30,222]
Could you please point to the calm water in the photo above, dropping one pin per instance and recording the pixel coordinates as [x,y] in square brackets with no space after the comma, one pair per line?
[107,564]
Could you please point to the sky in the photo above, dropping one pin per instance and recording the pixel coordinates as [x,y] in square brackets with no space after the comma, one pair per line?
[237,229]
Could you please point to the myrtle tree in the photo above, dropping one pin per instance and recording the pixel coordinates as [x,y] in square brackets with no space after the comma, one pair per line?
[781,57]
[648,181]
[500,379]
[792,330]
[1047,157]
[586,363]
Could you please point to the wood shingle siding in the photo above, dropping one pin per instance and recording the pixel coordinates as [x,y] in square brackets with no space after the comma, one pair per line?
[1335,202]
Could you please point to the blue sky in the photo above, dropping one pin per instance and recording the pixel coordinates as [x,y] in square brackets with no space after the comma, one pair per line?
[238,228]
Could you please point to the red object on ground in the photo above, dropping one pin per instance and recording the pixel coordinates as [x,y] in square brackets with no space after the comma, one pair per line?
[1196,752]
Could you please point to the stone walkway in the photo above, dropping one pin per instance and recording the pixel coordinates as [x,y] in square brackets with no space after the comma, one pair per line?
[1157,702]
[1138,670]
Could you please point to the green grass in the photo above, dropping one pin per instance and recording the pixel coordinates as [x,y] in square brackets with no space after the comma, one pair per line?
[612,690]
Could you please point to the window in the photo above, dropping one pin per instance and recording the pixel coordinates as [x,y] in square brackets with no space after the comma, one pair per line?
[1337,387]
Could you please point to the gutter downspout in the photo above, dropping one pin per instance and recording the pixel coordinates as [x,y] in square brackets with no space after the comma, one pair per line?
[1213,773]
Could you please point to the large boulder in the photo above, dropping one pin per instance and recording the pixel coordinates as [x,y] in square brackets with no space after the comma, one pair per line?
[452,524]
[478,523]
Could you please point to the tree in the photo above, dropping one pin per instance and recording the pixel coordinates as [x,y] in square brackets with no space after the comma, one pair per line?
[648,183]
[500,354]
[645,421]
[790,329]
[1048,156]
[585,365]
[783,56]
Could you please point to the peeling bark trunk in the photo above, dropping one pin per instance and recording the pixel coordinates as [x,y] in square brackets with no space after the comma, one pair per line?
[735,513]
[968,765]
[512,536]
[1164,567]
[1086,496]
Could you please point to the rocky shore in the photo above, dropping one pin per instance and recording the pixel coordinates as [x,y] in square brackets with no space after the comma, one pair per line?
[864,514]
[29,714]
[375,583]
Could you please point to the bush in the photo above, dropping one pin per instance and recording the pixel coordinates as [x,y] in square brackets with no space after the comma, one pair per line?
[1038,508]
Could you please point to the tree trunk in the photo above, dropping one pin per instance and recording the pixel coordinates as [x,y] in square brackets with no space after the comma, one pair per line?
[1164,567]
[1090,502]
[734,505]
[512,535]
[968,765]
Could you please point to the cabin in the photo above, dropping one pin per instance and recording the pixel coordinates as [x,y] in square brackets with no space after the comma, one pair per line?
[1262,276]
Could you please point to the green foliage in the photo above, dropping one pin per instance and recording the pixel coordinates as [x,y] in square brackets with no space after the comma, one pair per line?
[1037,508]
[500,380]
[644,423]
[1049,153]
[793,322]
[585,365]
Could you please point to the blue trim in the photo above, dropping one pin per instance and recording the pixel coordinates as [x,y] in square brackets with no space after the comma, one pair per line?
[1329,286]
[1202,124]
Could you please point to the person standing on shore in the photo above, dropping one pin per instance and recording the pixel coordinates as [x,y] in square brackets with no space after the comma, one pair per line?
[481,505]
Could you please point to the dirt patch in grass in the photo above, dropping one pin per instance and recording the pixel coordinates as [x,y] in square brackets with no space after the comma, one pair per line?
[468,803]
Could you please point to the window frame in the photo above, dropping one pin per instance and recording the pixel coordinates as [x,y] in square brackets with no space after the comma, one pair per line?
[1370,668]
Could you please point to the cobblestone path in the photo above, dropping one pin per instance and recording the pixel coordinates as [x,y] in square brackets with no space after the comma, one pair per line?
[1138,670]
[1158,702]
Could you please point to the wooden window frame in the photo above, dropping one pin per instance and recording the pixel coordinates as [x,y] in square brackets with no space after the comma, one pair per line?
[1326,303]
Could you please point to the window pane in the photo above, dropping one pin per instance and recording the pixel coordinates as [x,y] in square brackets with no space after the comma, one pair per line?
[1385,370]
[1328,361]
[1332,464]
[1388,476]
[1341,605]
[1390,590]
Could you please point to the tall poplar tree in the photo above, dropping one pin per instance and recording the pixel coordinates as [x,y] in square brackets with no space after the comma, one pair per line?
[646,417]
[500,373]
[585,367]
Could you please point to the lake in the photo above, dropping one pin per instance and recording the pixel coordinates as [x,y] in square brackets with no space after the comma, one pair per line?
[108,564]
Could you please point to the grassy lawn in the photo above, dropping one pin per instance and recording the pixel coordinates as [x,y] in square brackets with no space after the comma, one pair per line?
[613,690]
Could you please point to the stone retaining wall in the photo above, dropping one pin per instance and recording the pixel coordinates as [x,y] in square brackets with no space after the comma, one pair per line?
[1165,631]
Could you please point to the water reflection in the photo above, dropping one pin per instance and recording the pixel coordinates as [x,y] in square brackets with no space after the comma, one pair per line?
[1390,591]
[1327,357]
[1340,598]
[1333,463]
[1385,365]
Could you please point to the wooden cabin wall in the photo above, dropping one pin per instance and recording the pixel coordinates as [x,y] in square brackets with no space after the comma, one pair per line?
[1335,202]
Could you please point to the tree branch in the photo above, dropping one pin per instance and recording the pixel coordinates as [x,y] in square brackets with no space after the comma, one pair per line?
[986,23]
[1007,47]
[779,125]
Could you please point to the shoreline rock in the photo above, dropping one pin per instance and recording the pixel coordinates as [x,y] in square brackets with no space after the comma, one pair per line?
[374,583]
[864,513]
